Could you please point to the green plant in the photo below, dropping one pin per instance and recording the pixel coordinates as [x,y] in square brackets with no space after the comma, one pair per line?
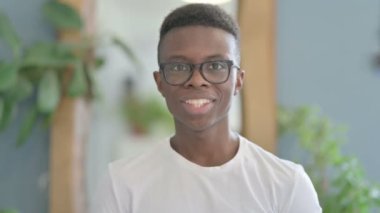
[339,179]
[143,114]
[44,71]
[8,211]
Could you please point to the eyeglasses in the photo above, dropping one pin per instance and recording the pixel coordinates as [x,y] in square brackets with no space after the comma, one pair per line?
[215,72]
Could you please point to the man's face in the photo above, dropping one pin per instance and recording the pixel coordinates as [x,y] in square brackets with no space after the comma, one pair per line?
[197,104]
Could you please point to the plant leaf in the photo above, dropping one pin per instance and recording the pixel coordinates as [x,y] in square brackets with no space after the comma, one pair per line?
[78,84]
[47,120]
[8,211]
[9,35]
[8,112]
[128,52]
[27,126]
[48,92]
[93,88]
[99,62]
[21,90]
[48,55]
[2,103]
[8,75]
[62,16]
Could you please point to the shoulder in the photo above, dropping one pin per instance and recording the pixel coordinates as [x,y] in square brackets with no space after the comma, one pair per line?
[135,168]
[289,185]
[267,162]
[123,176]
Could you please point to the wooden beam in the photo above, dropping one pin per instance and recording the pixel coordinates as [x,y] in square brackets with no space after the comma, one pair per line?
[68,136]
[257,22]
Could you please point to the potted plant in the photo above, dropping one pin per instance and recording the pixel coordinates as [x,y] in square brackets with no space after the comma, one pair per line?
[144,113]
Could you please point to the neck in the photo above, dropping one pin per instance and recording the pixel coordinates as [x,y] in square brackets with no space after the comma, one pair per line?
[212,147]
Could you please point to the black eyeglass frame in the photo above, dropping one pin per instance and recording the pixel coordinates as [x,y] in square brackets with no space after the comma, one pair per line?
[230,64]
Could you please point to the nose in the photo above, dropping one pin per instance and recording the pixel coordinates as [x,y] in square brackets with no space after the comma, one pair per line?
[196,79]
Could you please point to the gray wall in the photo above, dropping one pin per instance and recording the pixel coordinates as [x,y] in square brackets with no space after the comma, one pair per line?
[324,55]
[24,171]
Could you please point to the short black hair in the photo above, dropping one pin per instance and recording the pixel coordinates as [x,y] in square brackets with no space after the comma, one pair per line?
[200,14]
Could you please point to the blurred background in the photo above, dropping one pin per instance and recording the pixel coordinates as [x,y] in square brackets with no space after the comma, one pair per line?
[326,65]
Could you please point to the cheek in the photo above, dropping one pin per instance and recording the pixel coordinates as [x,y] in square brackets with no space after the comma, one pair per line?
[227,94]
[230,89]
[170,102]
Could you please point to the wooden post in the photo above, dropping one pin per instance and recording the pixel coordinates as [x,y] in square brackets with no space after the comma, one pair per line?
[68,136]
[257,22]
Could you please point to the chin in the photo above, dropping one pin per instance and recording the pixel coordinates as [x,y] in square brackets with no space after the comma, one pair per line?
[196,126]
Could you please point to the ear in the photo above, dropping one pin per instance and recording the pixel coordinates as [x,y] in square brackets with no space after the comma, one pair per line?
[158,80]
[239,81]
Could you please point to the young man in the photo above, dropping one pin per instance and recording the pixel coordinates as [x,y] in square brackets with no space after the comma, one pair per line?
[204,167]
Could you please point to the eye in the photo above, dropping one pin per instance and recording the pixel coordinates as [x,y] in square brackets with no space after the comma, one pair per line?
[179,67]
[216,66]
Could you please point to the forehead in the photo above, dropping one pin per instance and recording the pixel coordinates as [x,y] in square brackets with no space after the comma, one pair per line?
[196,43]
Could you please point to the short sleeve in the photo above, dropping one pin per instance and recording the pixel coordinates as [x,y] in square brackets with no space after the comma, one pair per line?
[303,197]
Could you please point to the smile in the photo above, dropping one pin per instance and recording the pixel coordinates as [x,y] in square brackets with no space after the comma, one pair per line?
[197,102]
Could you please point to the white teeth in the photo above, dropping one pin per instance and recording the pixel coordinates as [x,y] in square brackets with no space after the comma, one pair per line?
[198,102]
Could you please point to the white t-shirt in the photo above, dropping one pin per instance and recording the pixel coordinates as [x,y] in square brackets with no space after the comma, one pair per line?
[162,181]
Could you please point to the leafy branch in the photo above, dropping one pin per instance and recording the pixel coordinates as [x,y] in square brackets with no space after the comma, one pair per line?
[339,179]
[44,72]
